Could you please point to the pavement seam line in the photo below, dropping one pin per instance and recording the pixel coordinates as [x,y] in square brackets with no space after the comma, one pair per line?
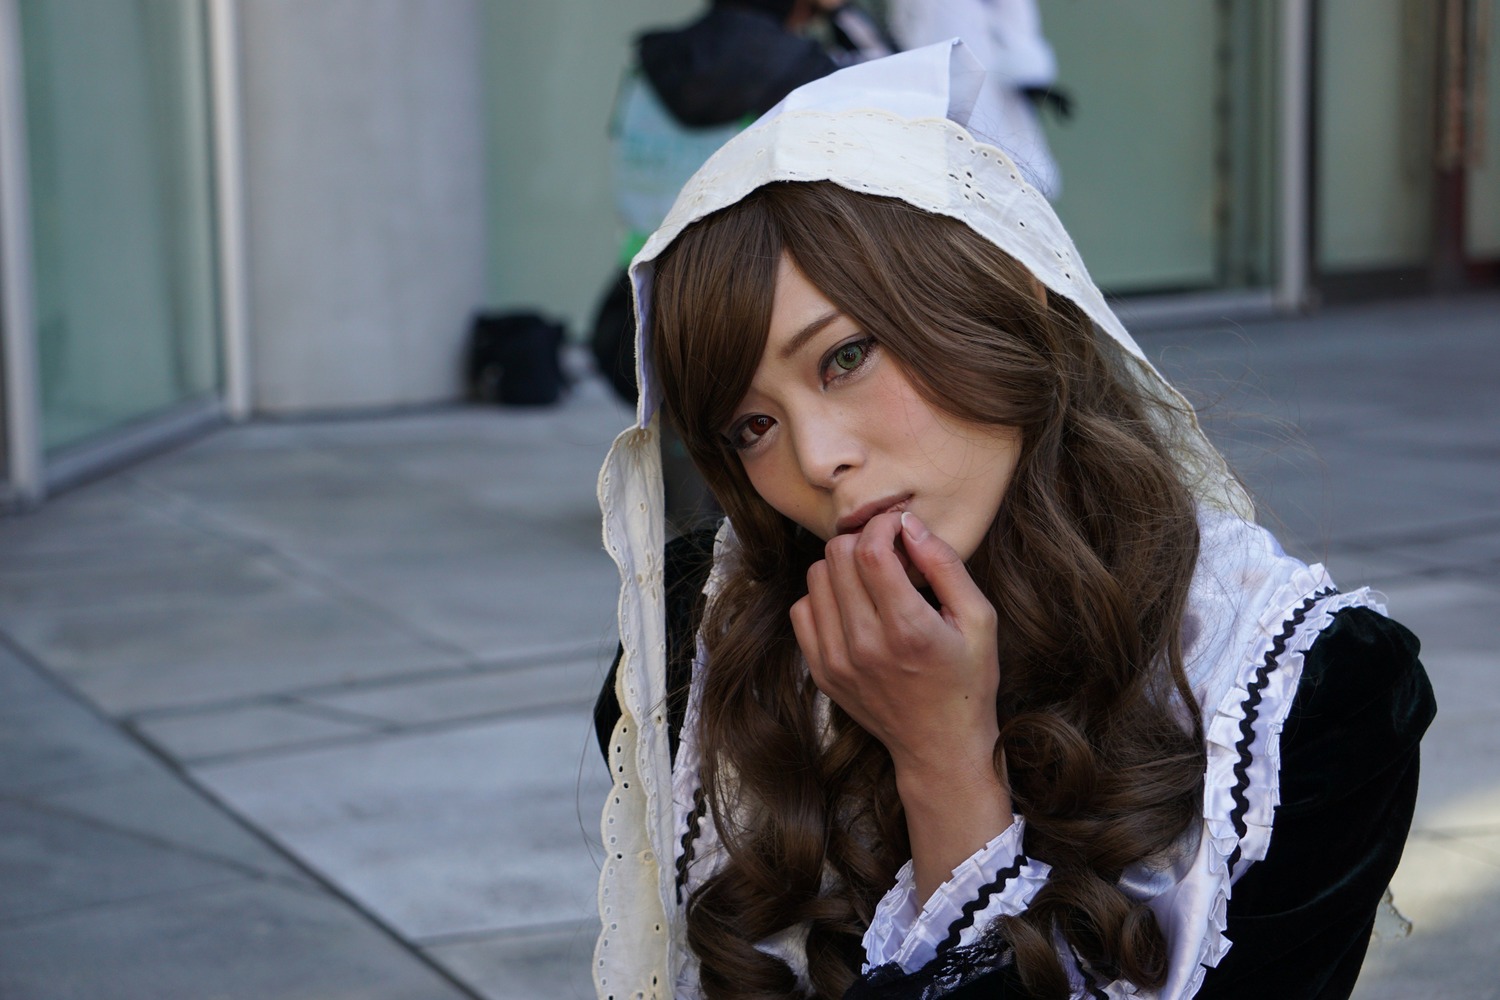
[432,727]
[332,889]
[195,514]
[552,929]
[404,678]
[140,836]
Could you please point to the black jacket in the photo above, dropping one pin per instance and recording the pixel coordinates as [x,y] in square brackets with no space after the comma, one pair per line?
[732,63]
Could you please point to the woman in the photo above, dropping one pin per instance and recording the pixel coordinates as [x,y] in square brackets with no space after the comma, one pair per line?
[994,687]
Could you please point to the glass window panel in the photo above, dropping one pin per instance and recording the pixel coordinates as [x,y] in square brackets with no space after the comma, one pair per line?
[1482,226]
[1168,165]
[116,106]
[1374,141]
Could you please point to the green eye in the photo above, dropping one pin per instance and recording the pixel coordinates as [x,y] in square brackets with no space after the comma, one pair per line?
[850,356]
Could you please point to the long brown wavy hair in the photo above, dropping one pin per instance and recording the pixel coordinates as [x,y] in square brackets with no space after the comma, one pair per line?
[1087,564]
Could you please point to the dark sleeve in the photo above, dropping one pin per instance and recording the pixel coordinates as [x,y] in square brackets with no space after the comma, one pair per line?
[1300,920]
[685,570]
[982,971]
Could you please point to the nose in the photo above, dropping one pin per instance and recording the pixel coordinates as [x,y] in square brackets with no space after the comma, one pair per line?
[827,448]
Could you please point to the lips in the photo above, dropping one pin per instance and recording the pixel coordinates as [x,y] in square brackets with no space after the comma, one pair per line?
[861,516]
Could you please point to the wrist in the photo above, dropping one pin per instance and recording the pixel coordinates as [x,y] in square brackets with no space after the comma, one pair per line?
[939,782]
[950,814]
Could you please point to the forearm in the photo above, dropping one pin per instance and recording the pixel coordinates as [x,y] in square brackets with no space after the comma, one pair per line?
[951,812]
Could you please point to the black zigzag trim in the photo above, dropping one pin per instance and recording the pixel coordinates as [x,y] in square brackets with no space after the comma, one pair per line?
[1090,982]
[700,806]
[1252,712]
[979,902]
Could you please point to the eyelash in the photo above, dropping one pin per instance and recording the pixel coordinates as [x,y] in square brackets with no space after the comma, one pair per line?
[734,437]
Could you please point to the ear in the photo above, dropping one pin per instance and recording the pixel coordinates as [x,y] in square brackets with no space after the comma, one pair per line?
[1038,290]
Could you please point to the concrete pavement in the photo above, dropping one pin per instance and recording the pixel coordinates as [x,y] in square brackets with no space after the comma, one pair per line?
[301,710]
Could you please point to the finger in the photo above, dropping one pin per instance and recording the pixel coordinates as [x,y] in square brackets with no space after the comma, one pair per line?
[827,622]
[806,631]
[912,573]
[901,623]
[857,612]
[945,571]
[883,569]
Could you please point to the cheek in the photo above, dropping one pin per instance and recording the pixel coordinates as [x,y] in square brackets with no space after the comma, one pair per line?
[999,456]
[778,482]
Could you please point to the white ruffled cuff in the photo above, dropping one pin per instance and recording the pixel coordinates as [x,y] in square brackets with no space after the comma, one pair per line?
[997,880]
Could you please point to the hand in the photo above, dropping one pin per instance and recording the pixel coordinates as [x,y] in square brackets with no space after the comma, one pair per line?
[921,680]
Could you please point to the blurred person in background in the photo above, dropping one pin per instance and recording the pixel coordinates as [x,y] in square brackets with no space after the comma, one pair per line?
[690,90]
[1006,37]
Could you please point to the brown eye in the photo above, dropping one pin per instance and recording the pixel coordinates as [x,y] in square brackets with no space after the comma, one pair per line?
[749,431]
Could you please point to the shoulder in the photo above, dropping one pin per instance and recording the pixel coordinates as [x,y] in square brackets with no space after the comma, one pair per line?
[1300,918]
[1363,701]
[1313,704]
[1355,657]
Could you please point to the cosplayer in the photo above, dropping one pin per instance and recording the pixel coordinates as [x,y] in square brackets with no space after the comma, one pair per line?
[988,685]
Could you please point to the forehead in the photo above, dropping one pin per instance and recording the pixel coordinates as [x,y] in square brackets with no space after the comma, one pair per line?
[799,312]
[794,295]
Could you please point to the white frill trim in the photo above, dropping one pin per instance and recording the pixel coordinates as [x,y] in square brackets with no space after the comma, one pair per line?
[1263,691]
[900,933]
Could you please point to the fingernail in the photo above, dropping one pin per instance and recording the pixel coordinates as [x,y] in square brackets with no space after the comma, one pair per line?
[913,526]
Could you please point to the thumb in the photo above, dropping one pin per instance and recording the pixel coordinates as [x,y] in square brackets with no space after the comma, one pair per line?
[946,573]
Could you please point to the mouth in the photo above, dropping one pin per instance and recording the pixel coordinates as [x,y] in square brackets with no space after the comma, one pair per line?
[861,516]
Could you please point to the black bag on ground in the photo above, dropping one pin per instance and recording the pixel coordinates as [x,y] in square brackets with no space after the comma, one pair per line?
[516,359]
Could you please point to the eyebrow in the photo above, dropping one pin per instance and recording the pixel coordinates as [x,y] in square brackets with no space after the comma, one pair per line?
[808,332]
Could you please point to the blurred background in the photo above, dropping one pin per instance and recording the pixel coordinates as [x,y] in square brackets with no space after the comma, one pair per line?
[296,651]
[216,208]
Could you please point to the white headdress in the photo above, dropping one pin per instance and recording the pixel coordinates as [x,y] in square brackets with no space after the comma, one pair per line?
[894,127]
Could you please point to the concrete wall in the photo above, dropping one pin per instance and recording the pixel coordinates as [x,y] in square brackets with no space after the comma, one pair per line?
[552,72]
[364,180]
